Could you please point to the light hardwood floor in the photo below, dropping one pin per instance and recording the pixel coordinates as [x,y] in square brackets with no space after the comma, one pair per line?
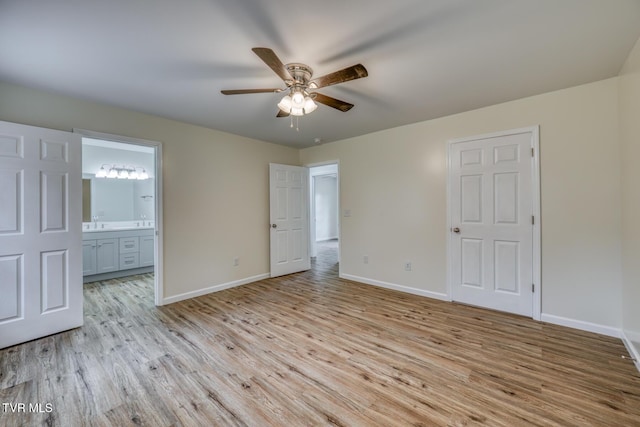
[310,349]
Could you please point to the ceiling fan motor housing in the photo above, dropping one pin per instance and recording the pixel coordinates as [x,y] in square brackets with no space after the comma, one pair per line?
[301,74]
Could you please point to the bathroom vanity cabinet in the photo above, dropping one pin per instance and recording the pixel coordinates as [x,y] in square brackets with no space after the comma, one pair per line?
[117,253]
[99,256]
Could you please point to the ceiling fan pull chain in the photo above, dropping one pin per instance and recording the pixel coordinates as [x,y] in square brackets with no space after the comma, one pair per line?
[291,126]
[297,128]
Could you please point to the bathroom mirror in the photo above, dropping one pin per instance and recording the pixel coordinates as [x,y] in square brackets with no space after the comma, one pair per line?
[117,199]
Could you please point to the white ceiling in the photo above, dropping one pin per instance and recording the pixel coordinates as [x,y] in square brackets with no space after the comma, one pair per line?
[426,58]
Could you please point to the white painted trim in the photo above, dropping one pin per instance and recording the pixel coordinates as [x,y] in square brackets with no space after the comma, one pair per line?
[159,245]
[537,230]
[395,287]
[159,253]
[631,348]
[535,178]
[215,288]
[115,138]
[448,243]
[581,325]
[632,336]
[313,247]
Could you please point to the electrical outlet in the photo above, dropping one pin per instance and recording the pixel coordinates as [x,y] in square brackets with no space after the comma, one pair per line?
[407,265]
[236,261]
[365,259]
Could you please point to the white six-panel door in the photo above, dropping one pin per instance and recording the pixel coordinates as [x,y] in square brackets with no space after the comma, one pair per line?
[491,206]
[289,215]
[40,232]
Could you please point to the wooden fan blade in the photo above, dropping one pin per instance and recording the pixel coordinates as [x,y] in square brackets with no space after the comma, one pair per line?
[282,113]
[243,91]
[332,102]
[271,59]
[350,73]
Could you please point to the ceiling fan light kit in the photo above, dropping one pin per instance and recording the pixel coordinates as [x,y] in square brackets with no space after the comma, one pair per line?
[298,103]
[302,99]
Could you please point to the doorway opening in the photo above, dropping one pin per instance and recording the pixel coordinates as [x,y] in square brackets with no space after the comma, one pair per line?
[324,230]
[121,212]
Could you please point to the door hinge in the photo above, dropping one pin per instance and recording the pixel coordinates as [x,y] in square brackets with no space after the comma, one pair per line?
[533,219]
[533,287]
[533,152]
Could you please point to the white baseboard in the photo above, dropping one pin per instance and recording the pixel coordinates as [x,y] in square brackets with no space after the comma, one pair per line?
[401,288]
[629,338]
[582,325]
[216,288]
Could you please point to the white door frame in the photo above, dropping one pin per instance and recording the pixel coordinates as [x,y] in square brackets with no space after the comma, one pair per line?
[158,252]
[311,205]
[535,192]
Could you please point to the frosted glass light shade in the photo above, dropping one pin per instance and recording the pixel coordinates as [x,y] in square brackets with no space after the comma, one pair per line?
[285,104]
[309,105]
[143,175]
[102,173]
[113,173]
[297,111]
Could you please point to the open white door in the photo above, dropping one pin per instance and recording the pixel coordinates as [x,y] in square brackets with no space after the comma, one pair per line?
[40,232]
[289,213]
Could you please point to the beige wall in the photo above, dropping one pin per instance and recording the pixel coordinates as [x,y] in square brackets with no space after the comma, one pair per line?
[629,84]
[215,185]
[394,183]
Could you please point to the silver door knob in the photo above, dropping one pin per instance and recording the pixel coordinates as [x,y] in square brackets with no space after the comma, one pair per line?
[274,225]
[455,230]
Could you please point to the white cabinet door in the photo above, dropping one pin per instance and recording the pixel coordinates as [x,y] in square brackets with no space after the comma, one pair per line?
[146,250]
[40,232]
[289,214]
[491,208]
[89,260]
[108,255]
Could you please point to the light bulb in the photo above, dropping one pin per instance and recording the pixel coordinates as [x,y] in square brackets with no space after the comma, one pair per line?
[102,173]
[297,100]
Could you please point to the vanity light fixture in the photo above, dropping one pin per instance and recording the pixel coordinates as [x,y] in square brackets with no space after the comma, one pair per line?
[102,173]
[124,172]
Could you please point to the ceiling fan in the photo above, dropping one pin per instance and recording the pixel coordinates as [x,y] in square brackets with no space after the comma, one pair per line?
[301,96]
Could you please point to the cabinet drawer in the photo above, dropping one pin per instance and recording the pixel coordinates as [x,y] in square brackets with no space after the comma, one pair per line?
[129,244]
[129,261]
